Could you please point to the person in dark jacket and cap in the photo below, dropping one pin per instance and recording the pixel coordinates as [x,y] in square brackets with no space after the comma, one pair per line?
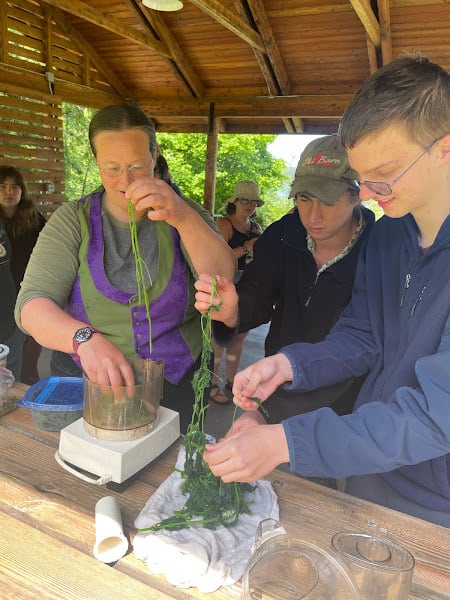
[301,277]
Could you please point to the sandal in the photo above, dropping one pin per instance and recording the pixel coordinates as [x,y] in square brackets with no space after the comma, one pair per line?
[218,396]
[229,386]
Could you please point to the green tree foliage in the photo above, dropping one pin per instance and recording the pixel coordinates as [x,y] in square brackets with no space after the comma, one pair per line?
[239,157]
[80,171]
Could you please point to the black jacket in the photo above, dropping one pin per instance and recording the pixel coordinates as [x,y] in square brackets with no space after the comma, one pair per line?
[7,288]
[281,285]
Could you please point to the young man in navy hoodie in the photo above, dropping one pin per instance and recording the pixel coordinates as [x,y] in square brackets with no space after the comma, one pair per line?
[394,449]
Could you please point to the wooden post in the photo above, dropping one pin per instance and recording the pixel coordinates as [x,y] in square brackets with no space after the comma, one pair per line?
[211,160]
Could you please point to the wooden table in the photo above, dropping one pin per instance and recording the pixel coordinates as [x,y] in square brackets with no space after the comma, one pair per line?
[47,527]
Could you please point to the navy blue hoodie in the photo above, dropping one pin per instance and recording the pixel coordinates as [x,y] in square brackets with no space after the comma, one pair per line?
[397,329]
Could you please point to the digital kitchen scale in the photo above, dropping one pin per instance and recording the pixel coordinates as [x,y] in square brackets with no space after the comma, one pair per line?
[100,461]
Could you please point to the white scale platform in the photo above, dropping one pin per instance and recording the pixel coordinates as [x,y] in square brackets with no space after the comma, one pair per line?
[114,460]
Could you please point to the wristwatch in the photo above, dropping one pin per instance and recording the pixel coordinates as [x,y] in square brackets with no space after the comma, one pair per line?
[82,335]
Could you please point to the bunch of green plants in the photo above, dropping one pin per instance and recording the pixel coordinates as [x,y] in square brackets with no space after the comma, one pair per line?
[210,502]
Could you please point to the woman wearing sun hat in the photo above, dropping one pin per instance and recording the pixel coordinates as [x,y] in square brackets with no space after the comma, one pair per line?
[240,230]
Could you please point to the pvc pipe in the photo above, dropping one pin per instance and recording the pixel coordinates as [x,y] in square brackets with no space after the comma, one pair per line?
[110,542]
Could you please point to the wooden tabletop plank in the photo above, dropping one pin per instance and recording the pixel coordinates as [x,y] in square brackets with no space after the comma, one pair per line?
[318,512]
[38,494]
[35,565]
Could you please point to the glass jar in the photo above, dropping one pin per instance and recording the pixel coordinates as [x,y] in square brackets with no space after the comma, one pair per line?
[286,568]
[125,413]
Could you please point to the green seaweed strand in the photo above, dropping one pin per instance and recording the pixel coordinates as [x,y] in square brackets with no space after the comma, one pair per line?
[141,270]
[210,502]
[202,377]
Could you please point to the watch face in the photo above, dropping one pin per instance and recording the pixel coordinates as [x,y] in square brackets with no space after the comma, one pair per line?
[83,334]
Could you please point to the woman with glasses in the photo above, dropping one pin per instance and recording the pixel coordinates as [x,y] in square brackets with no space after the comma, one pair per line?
[80,293]
[240,230]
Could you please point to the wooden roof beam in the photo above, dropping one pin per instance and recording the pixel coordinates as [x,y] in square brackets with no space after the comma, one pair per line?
[384,15]
[3,32]
[228,19]
[65,23]
[83,11]
[305,10]
[183,68]
[273,86]
[294,107]
[272,51]
[367,17]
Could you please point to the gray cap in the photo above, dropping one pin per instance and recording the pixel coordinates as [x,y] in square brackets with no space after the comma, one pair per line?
[323,171]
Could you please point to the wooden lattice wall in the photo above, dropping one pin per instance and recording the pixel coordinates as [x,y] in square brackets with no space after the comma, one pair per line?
[31,139]
[42,59]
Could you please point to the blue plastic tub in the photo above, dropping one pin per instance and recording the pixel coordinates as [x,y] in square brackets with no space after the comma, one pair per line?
[55,402]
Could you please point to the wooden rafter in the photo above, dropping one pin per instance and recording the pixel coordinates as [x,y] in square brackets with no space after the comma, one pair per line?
[228,19]
[367,17]
[273,86]
[65,24]
[3,32]
[250,107]
[271,47]
[83,11]
[182,67]
[385,29]
[308,9]
[270,62]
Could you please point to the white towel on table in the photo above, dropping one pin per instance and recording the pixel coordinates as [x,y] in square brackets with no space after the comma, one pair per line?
[196,556]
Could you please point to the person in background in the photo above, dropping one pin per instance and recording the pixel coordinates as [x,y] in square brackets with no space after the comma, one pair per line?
[301,277]
[395,446]
[240,230]
[23,223]
[80,293]
[10,334]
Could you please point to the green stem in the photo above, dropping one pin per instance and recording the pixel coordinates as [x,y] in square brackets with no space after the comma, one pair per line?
[141,270]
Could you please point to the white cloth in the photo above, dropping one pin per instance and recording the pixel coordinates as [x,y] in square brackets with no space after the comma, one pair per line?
[196,556]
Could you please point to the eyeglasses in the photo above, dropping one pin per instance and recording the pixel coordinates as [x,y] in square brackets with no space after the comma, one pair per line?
[135,170]
[382,188]
[246,201]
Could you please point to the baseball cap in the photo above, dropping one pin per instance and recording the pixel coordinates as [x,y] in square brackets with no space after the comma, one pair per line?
[323,171]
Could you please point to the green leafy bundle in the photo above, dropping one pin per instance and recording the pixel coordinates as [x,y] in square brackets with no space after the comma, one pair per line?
[210,502]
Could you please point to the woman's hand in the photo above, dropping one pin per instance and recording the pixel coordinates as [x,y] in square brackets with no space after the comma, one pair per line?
[158,199]
[207,250]
[104,363]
